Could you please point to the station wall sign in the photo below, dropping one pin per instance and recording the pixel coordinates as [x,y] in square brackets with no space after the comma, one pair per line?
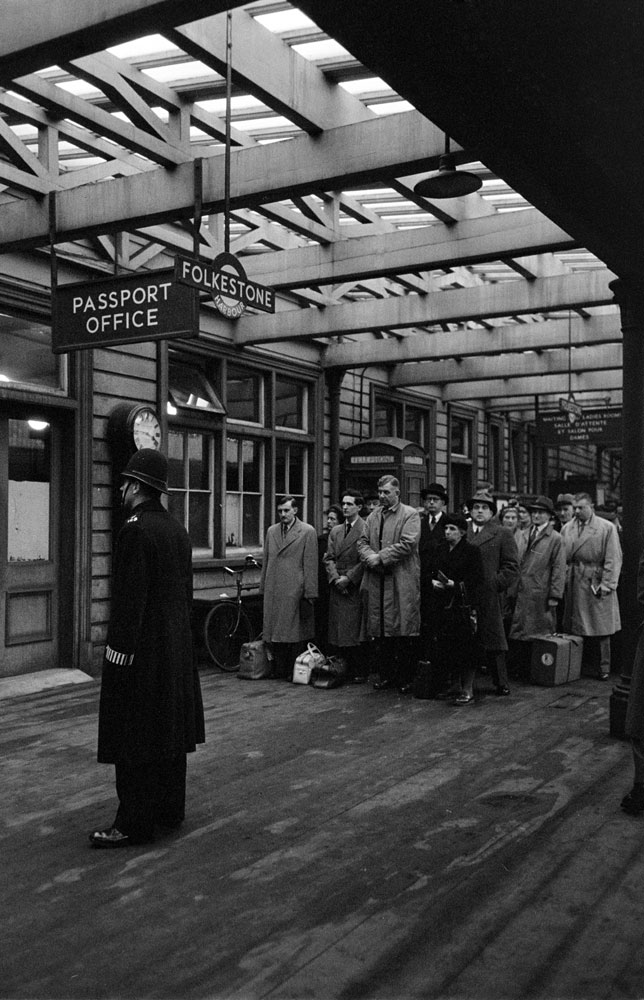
[122,310]
[225,280]
[602,427]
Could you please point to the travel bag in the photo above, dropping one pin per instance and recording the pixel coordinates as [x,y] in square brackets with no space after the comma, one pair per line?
[254,662]
[556,659]
[305,662]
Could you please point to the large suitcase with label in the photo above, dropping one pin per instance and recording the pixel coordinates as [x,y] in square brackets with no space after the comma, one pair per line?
[556,659]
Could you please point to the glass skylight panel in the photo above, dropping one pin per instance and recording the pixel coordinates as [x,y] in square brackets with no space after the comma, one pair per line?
[79,88]
[243,102]
[146,46]
[283,21]
[390,107]
[180,72]
[328,48]
[368,85]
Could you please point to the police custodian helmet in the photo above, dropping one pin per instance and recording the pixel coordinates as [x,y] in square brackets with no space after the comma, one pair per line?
[149,466]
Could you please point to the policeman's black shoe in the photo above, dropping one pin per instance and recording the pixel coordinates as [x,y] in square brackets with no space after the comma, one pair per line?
[384,685]
[633,803]
[109,839]
[502,690]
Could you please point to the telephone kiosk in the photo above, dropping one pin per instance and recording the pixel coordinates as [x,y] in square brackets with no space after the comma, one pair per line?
[363,464]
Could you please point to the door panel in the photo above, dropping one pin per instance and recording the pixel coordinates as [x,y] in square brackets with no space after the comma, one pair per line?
[29,545]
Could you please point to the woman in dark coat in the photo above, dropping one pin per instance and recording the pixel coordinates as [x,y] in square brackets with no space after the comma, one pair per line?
[458,582]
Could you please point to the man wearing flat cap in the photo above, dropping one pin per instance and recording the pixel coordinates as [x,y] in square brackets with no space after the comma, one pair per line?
[500,570]
[564,508]
[432,535]
[542,579]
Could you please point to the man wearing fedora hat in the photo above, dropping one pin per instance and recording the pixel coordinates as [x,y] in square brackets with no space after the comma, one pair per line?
[542,579]
[432,536]
[151,713]
[500,570]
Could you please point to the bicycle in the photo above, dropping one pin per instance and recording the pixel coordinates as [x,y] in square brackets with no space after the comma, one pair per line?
[227,626]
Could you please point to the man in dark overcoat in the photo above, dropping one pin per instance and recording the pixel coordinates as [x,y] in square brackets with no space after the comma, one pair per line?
[289,584]
[344,571]
[432,535]
[151,713]
[500,571]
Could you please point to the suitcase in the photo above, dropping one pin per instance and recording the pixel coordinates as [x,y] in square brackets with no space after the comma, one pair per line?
[556,659]
[254,663]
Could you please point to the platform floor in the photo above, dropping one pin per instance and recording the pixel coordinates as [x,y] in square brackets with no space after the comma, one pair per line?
[339,844]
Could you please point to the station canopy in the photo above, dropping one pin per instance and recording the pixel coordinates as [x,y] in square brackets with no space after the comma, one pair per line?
[338,111]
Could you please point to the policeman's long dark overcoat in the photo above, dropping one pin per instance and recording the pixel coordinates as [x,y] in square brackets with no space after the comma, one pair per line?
[635,711]
[150,704]
[345,608]
[500,570]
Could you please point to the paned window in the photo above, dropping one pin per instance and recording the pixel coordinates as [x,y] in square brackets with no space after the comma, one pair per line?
[244,395]
[244,496]
[290,404]
[291,471]
[190,480]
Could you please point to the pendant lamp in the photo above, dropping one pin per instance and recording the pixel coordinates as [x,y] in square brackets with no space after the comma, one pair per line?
[448,182]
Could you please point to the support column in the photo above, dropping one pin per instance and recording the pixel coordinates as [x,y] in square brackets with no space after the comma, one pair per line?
[334,378]
[629,295]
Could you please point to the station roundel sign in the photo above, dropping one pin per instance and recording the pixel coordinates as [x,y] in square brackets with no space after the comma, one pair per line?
[229,307]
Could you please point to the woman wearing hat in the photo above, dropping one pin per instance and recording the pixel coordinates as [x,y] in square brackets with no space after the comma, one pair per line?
[458,580]
[542,579]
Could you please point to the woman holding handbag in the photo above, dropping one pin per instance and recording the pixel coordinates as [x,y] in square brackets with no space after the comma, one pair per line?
[457,583]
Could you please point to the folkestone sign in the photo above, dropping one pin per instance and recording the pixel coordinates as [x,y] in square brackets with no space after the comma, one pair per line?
[122,310]
[225,280]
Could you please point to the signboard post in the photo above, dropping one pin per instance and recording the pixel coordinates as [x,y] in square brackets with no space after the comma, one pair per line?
[122,310]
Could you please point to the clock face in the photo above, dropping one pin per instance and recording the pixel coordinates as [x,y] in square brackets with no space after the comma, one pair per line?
[146,429]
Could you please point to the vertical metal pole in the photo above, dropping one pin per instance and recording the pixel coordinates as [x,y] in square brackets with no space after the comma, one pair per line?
[53,260]
[198,199]
[229,88]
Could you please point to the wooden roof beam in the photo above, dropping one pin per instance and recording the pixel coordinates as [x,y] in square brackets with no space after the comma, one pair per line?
[475,343]
[351,154]
[267,67]
[584,359]
[498,300]
[528,386]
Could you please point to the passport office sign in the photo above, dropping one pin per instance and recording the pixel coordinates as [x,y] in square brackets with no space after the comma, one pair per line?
[122,310]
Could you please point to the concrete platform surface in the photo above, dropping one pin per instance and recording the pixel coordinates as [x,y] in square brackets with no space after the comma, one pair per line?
[42,680]
[338,844]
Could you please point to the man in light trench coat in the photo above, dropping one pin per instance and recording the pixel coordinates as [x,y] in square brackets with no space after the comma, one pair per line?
[289,584]
[594,558]
[540,587]
[390,586]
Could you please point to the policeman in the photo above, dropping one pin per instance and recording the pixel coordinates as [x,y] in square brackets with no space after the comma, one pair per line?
[151,713]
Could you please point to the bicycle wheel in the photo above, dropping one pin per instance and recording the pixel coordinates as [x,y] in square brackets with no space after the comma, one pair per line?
[226,629]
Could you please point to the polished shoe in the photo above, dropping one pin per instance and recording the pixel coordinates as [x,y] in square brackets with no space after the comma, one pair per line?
[385,685]
[633,803]
[502,691]
[604,677]
[405,688]
[464,699]
[109,838]
[358,680]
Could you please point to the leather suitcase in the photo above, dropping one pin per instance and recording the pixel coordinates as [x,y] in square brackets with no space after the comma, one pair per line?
[556,659]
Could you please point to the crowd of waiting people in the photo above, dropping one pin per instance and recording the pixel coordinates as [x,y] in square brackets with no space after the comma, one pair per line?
[388,586]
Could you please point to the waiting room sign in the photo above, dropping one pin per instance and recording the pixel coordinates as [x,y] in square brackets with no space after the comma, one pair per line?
[603,427]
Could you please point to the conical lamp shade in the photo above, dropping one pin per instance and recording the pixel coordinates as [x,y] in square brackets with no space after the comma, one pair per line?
[448,182]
